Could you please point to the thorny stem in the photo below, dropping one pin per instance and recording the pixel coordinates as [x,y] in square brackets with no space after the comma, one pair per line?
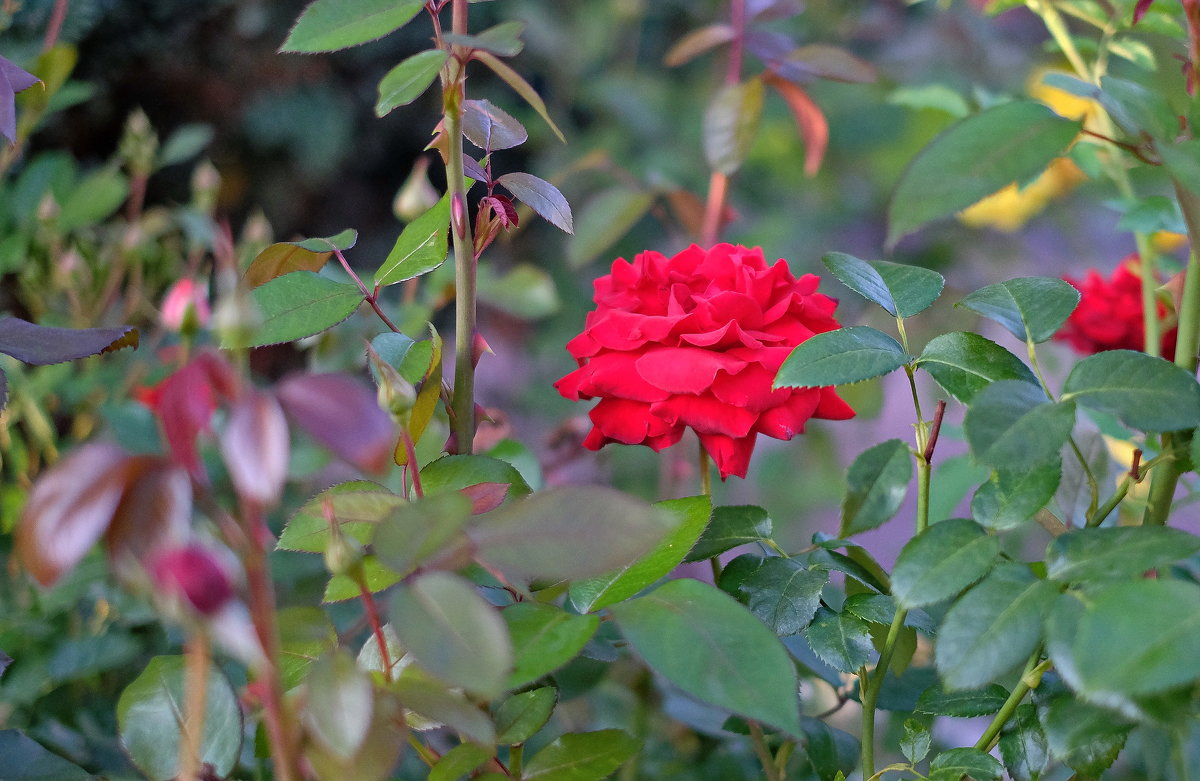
[371,297]
[460,231]
[413,467]
[1030,679]
[196,656]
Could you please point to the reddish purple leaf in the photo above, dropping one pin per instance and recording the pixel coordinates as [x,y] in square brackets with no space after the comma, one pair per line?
[12,81]
[70,507]
[40,345]
[254,445]
[155,513]
[342,414]
[474,170]
[485,496]
[490,128]
[185,402]
[541,196]
[1140,10]
[503,208]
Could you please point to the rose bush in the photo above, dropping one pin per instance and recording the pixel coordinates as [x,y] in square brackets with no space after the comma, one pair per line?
[694,341]
[1109,315]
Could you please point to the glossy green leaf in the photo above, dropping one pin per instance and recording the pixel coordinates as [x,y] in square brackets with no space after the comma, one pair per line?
[1029,308]
[872,608]
[305,635]
[582,756]
[544,638]
[1132,106]
[902,290]
[150,715]
[453,633]
[357,504]
[569,532]
[941,561]
[729,527]
[375,574]
[730,124]
[784,593]
[877,483]
[452,473]
[1145,393]
[26,760]
[830,752]
[489,127]
[952,765]
[993,627]
[407,81]
[297,305]
[712,648]
[1117,552]
[541,196]
[347,704]
[504,39]
[1084,737]
[846,355]
[459,761]
[691,513]
[420,248]
[1023,745]
[1012,425]
[415,531]
[521,87]
[964,363]
[604,220]
[1130,638]
[520,716]
[1011,497]
[975,157]
[440,705]
[916,741]
[962,703]
[841,640]
[329,25]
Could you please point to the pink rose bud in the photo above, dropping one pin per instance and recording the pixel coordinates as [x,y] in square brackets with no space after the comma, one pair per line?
[196,575]
[185,301]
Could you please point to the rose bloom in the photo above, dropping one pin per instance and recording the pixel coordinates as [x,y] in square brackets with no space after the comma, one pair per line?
[185,298]
[694,341]
[1109,315]
[195,574]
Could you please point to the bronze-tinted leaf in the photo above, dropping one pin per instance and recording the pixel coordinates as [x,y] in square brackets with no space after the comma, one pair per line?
[814,128]
[155,513]
[254,444]
[41,345]
[70,508]
[342,414]
[279,259]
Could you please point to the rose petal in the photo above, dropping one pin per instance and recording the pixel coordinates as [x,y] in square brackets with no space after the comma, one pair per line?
[788,419]
[832,406]
[685,369]
[706,414]
[627,422]
[749,389]
[730,455]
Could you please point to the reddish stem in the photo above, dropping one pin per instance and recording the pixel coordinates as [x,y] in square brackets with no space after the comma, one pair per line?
[372,611]
[57,16]
[934,430]
[718,183]
[410,452]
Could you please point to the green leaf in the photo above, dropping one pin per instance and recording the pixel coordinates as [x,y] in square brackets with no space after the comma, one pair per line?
[1182,160]
[432,700]
[711,647]
[975,157]
[691,514]
[784,593]
[541,196]
[93,200]
[730,124]
[964,363]
[1145,393]
[184,143]
[339,241]
[1085,737]
[26,760]
[1023,745]
[569,532]
[453,633]
[1012,425]
[413,532]
[520,716]
[376,575]
[993,627]
[407,81]
[831,753]
[902,290]
[451,473]
[420,248]
[873,608]
[730,527]
[1117,552]
[544,638]
[941,561]
[916,741]
[962,704]
[362,504]
[329,25]
[958,762]
[504,39]
[459,761]
[521,87]
[604,220]
[877,483]
[305,635]
[1029,308]
[841,640]
[150,715]
[1130,638]
[342,721]
[1011,497]
[298,305]
[846,355]
[582,756]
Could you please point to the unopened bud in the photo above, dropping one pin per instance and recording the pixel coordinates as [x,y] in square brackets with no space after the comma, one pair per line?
[236,318]
[139,144]
[458,214]
[206,186]
[196,576]
[416,196]
[48,209]
[185,307]
[343,554]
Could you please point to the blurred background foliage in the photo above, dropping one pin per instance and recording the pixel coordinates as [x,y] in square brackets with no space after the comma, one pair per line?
[237,144]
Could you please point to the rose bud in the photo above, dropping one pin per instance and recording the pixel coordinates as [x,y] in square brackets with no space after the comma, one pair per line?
[196,576]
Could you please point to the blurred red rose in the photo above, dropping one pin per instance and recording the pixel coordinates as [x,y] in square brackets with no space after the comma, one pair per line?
[195,574]
[1109,315]
[694,341]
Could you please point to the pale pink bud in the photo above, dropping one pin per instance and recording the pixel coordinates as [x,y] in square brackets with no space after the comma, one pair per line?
[185,300]
[194,574]
[254,445]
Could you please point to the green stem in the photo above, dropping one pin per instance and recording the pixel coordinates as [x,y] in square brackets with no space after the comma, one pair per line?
[516,757]
[870,686]
[460,231]
[758,740]
[1093,486]
[1030,679]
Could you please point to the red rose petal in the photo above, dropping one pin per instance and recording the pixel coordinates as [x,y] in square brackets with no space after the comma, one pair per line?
[706,415]
[730,455]
[685,369]
[627,422]
[787,420]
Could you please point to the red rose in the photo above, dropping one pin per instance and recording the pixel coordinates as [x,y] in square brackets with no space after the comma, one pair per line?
[1109,315]
[694,341]
[195,574]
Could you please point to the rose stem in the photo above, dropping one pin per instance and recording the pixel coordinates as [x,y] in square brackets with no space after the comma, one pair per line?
[718,183]
[196,681]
